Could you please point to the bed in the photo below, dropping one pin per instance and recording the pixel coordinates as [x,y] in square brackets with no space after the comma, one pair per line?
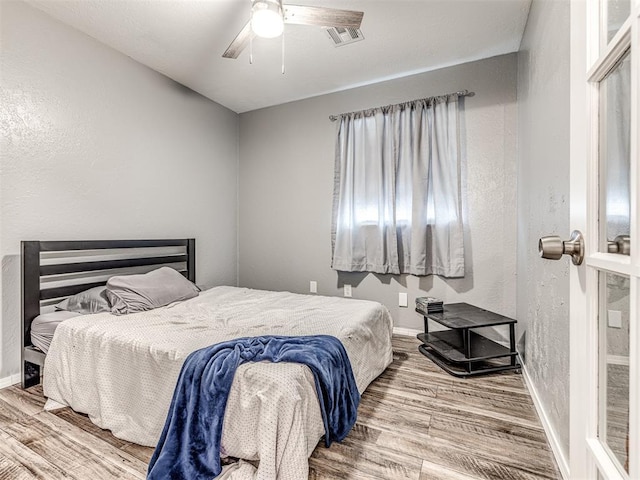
[121,370]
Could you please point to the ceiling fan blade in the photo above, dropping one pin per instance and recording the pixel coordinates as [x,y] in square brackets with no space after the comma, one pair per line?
[240,42]
[323,17]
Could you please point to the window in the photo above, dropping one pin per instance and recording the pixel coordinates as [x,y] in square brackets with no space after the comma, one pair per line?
[397,201]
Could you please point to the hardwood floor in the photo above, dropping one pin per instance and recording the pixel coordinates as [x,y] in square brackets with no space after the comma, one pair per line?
[414,422]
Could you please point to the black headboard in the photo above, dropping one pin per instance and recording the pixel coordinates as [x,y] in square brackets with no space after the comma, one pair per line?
[42,262]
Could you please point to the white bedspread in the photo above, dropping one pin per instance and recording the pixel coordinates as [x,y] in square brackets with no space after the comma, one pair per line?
[121,370]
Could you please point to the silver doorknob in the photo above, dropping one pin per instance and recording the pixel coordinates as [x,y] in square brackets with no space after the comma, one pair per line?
[553,247]
[621,244]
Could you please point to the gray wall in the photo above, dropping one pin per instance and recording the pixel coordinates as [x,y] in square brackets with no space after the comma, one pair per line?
[543,206]
[95,145]
[286,181]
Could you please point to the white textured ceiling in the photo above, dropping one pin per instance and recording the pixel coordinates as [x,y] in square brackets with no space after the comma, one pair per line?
[185,40]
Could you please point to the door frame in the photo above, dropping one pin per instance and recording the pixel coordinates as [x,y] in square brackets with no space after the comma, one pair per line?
[586,455]
[578,410]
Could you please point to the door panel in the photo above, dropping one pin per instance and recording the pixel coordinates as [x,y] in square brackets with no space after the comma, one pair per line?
[605,291]
[614,13]
[615,144]
[613,377]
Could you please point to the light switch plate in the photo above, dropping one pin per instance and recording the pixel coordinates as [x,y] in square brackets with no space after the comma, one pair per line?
[313,286]
[615,318]
[403,299]
[347,290]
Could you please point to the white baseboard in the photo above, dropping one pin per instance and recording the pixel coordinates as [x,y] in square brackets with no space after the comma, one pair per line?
[10,380]
[561,459]
[407,332]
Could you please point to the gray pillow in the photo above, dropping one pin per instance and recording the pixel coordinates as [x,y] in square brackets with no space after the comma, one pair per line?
[93,300]
[137,293]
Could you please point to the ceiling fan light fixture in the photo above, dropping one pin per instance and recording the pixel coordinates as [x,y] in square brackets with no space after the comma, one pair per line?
[267,20]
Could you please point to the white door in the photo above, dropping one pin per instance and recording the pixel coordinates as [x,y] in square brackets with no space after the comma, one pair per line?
[605,289]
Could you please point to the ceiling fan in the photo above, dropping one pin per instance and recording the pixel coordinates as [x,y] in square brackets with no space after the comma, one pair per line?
[269,16]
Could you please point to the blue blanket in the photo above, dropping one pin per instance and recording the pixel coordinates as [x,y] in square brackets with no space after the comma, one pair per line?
[189,447]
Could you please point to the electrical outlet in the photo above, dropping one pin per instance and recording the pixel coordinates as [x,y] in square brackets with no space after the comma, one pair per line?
[347,290]
[313,286]
[615,318]
[403,300]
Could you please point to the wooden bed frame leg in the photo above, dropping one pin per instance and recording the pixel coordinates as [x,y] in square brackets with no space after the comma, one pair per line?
[30,374]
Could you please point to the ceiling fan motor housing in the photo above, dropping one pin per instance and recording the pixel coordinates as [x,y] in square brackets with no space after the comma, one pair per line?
[267,20]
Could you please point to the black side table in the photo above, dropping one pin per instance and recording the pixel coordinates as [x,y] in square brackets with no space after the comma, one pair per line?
[460,350]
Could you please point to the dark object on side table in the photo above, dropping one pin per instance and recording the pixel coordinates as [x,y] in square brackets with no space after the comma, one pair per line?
[426,305]
[461,351]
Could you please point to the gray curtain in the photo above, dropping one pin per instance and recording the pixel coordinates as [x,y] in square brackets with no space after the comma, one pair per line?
[397,202]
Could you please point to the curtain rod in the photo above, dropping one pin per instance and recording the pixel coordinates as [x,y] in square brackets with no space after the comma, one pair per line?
[461,93]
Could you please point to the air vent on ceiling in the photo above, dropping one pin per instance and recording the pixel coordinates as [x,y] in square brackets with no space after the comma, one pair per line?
[342,36]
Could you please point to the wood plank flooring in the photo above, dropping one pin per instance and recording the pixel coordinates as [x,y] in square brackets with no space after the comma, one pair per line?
[414,422]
